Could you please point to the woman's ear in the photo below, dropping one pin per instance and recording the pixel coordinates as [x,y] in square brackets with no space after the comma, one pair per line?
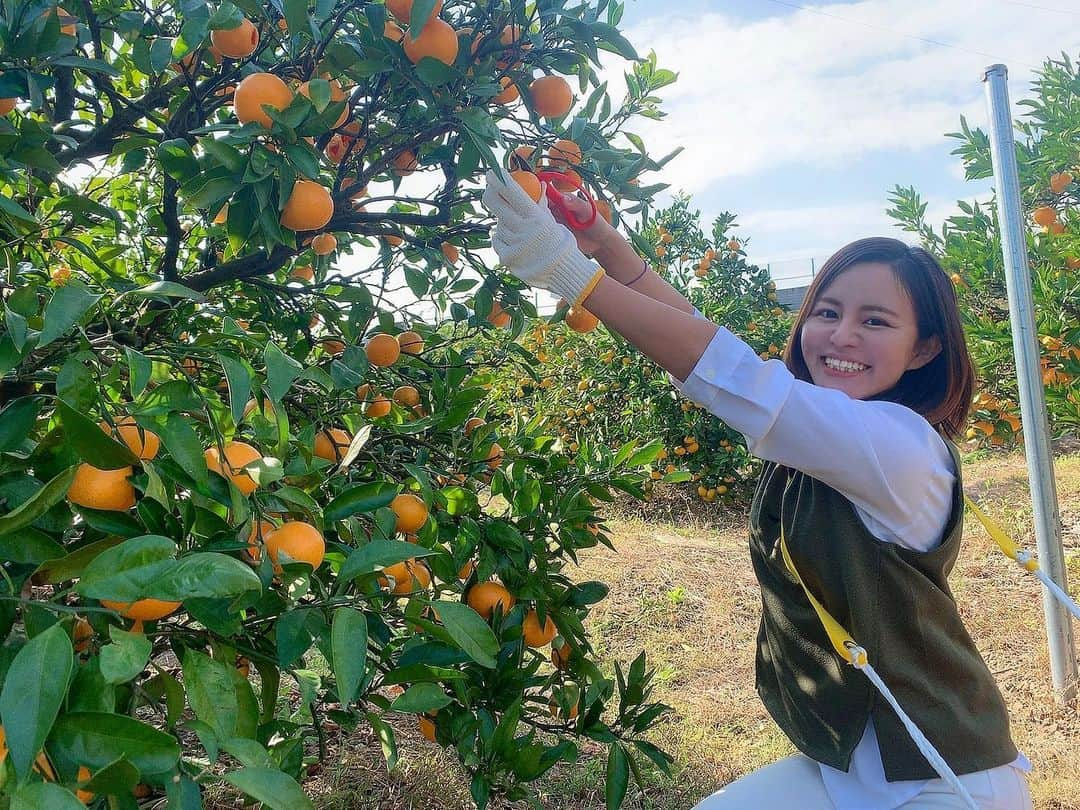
[925,351]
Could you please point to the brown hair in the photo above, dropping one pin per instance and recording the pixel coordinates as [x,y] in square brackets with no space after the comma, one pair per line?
[941,390]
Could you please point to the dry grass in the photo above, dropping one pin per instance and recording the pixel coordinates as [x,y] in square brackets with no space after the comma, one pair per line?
[683,590]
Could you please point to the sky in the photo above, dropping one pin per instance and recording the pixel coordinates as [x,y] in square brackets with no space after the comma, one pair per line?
[801,118]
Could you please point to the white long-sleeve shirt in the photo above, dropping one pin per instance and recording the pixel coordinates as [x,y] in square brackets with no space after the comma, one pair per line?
[885,458]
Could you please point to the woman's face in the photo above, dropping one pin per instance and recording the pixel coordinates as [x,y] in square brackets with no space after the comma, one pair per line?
[862,334]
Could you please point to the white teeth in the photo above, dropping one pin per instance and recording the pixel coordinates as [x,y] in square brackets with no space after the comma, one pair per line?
[844,365]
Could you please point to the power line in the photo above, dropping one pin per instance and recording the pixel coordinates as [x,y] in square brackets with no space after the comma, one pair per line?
[887,30]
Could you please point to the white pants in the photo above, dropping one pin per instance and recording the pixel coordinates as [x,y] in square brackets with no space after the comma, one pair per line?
[795,782]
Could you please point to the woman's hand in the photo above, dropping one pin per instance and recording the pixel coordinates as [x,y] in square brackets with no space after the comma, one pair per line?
[536,248]
[594,240]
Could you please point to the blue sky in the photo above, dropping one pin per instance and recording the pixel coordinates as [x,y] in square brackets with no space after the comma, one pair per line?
[802,120]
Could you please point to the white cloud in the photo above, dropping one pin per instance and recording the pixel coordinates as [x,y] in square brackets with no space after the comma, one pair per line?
[810,89]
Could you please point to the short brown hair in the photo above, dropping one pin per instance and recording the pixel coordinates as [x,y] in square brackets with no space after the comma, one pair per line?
[941,390]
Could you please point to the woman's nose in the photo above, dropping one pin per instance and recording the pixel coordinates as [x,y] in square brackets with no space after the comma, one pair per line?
[844,333]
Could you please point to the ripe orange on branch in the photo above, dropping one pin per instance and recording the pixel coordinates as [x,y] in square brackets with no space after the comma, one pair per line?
[378,407]
[436,39]
[331,444]
[308,208]
[411,511]
[299,541]
[402,10]
[563,153]
[409,576]
[529,182]
[237,454]
[534,634]
[551,96]
[410,342]
[143,443]
[109,490]
[1060,181]
[508,93]
[405,163]
[484,596]
[1044,215]
[238,42]
[407,396]
[382,350]
[256,90]
[7,105]
[324,244]
[143,610]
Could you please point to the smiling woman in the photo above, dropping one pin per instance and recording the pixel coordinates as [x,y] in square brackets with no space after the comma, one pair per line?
[861,489]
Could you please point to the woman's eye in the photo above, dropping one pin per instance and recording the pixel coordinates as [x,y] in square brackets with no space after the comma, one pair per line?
[824,313]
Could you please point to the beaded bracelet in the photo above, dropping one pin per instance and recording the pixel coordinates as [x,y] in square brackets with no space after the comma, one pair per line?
[644,269]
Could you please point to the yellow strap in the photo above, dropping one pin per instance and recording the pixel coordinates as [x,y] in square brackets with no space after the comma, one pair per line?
[1005,543]
[597,277]
[841,639]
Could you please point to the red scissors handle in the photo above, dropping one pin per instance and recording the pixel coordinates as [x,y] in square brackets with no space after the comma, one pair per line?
[555,198]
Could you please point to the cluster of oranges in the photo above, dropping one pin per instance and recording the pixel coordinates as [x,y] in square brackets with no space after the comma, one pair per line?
[1046,216]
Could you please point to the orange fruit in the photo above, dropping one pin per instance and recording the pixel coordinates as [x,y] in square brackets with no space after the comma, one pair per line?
[382,350]
[427,728]
[299,541]
[1060,181]
[378,407]
[1044,215]
[335,153]
[522,157]
[333,347]
[1055,228]
[581,320]
[337,95]
[1072,262]
[473,424]
[7,105]
[406,396]
[237,454]
[238,42]
[324,244]
[508,93]
[308,208]
[560,656]
[302,272]
[81,633]
[484,596]
[529,182]
[260,529]
[402,10]
[409,576]
[466,570]
[563,153]
[391,30]
[494,456]
[411,511]
[604,209]
[551,96]
[571,181]
[410,342]
[143,610]
[256,90]
[391,239]
[450,251]
[553,707]
[143,443]
[437,39]
[349,182]
[405,163]
[331,444]
[67,21]
[533,633]
[109,490]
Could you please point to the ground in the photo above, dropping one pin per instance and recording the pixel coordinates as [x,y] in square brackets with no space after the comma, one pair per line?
[682,589]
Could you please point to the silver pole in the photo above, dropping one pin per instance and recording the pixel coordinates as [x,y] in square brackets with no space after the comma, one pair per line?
[1040,463]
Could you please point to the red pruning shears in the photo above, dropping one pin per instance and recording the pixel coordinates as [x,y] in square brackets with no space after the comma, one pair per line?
[555,198]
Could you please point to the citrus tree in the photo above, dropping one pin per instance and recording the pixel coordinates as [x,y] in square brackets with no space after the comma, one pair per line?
[596,390]
[246,487]
[969,248]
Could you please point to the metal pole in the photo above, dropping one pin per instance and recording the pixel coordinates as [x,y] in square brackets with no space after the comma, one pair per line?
[813,270]
[1040,461]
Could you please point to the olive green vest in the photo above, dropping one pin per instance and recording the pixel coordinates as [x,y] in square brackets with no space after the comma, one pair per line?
[897,604]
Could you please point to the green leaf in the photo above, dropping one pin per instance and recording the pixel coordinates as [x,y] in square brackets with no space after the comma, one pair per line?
[34,690]
[206,575]
[118,777]
[618,776]
[45,796]
[304,159]
[386,740]
[93,444]
[239,380]
[44,500]
[348,643]
[71,566]
[177,159]
[29,547]
[421,697]
[139,370]
[274,789]
[128,571]
[17,420]
[379,554]
[183,444]
[68,304]
[13,209]
[360,499]
[296,17]
[469,631]
[281,371]
[212,694]
[97,739]
[125,657]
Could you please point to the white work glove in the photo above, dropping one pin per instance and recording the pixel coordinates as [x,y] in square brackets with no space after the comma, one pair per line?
[535,247]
